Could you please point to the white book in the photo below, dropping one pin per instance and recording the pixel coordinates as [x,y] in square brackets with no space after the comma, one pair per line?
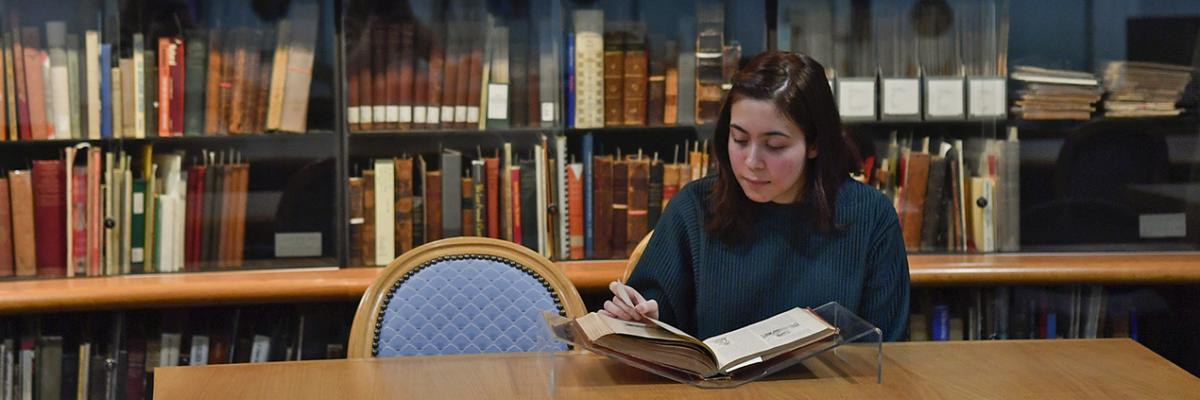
[118,106]
[180,227]
[169,353]
[48,91]
[539,170]
[561,197]
[385,214]
[74,88]
[589,69]
[139,86]
[59,83]
[91,55]
[261,349]
[299,68]
[199,352]
[27,374]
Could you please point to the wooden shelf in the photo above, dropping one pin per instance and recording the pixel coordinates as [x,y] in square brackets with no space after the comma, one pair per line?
[348,284]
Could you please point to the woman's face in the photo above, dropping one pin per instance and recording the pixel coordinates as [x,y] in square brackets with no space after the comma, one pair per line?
[767,152]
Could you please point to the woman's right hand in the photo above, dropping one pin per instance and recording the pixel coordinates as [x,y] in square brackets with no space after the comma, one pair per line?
[629,305]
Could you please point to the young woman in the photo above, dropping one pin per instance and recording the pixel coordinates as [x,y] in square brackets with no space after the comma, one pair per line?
[781,224]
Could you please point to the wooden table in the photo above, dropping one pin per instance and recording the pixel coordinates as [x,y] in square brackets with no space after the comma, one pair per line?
[1055,369]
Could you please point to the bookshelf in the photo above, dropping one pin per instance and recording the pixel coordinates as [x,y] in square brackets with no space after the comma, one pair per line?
[301,182]
[298,285]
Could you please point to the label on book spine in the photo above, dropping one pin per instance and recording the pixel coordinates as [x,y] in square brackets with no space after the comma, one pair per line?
[352,115]
[434,115]
[460,113]
[380,113]
[497,101]
[472,115]
[406,114]
[547,111]
[419,114]
[447,113]
[393,114]
[367,114]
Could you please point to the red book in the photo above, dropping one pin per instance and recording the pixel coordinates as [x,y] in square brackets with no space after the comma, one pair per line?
[79,231]
[492,170]
[194,222]
[22,99]
[49,217]
[95,224]
[516,203]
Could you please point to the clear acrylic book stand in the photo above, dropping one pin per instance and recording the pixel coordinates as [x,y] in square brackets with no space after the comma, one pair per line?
[858,345]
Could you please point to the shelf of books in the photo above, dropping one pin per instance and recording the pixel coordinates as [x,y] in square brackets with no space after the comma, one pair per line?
[347,284]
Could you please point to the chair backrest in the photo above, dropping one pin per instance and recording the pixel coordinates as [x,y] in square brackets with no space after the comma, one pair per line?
[460,296]
[635,256]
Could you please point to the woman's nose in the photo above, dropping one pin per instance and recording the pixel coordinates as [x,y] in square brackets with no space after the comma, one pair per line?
[753,158]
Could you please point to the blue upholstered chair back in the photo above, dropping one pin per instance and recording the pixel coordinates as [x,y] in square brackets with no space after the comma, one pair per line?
[466,304]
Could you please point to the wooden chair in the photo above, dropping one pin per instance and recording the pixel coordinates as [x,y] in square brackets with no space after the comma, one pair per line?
[459,296]
[635,256]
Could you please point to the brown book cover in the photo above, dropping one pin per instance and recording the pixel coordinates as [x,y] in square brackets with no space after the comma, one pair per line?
[602,202]
[368,227]
[534,103]
[639,200]
[240,98]
[912,211]
[656,87]
[228,216]
[213,86]
[491,167]
[451,61]
[463,88]
[230,68]
[517,232]
[575,223]
[671,97]
[635,78]
[475,89]
[353,91]
[355,212]
[24,245]
[404,204]
[468,206]
[394,38]
[38,122]
[406,75]
[379,72]
[620,209]
[49,214]
[240,199]
[366,87]
[261,87]
[671,185]
[17,55]
[433,206]
[6,236]
[614,67]
[420,85]
[437,60]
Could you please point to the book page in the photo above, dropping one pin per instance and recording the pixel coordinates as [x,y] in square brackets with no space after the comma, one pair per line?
[794,326]
[596,326]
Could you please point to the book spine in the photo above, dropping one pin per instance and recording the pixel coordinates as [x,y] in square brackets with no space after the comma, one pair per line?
[6,233]
[480,198]
[634,82]
[603,220]
[385,213]
[354,198]
[404,205]
[49,182]
[368,227]
[451,182]
[24,245]
[589,69]
[492,170]
[195,77]
[620,209]
[614,66]
[433,206]
[589,200]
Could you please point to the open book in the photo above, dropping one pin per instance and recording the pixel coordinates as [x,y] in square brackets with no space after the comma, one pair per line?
[659,343]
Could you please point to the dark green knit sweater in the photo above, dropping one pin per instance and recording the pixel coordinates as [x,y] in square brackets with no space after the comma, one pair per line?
[706,287]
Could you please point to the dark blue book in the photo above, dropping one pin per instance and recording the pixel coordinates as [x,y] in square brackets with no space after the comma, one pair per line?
[569,92]
[106,128]
[939,318]
[587,194]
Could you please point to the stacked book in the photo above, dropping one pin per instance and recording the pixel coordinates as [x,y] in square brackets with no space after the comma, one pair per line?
[1049,94]
[1142,89]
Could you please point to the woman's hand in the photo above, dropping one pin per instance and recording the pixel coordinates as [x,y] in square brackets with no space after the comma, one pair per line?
[627,304]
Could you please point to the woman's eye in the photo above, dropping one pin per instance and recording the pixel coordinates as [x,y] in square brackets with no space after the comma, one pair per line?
[740,141]
[776,146]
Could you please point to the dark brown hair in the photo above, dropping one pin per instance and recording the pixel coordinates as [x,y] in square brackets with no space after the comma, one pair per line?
[796,84]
